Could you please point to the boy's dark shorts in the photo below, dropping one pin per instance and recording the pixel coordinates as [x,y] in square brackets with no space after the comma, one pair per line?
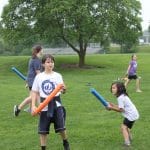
[58,119]
[132,77]
[128,123]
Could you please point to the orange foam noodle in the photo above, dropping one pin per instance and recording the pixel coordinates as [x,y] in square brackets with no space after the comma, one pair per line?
[48,99]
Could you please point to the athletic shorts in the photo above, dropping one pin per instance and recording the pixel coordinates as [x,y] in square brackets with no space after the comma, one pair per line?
[58,119]
[132,77]
[128,123]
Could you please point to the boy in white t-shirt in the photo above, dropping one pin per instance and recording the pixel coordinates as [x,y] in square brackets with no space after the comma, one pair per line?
[54,112]
[126,107]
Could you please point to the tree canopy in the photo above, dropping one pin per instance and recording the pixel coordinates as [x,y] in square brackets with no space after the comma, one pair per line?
[76,22]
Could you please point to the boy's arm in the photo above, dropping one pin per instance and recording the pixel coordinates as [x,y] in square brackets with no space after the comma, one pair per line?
[63,91]
[34,96]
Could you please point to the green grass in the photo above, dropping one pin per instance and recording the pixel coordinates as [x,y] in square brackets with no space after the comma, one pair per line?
[89,125]
[139,49]
[144,49]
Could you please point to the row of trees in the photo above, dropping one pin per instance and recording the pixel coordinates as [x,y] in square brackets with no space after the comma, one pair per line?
[74,22]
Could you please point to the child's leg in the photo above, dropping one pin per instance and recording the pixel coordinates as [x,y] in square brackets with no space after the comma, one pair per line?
[43,128]
[28,101]
[59,125]
[138,85]
[125,133]
[63,135]
[17,108]
[130,135]
[126,82]
[25,102]
[65,141]
[43,141]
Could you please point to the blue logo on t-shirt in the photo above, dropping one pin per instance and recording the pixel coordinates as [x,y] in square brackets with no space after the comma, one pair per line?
[47,87]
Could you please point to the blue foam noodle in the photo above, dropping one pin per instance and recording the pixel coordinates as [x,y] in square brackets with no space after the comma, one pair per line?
[99,97]
[19,73]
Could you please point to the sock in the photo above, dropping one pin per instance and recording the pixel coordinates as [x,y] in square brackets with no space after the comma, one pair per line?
[66,144]
[43,147]
[65,141]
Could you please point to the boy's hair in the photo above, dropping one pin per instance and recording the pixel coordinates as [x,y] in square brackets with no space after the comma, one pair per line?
[36,50]
[120,88]
[44,58]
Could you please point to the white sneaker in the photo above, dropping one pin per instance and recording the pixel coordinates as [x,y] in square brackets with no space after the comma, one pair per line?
[139,91]
[127,144]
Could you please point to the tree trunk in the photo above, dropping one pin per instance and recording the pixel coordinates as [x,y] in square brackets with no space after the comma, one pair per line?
[81,51]
[81,55]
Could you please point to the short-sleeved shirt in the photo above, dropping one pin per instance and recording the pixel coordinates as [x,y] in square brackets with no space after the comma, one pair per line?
[33,66]
[130,111]
[133,68]
[46,83]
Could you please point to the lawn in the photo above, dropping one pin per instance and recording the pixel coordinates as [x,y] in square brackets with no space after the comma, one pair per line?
[89,125]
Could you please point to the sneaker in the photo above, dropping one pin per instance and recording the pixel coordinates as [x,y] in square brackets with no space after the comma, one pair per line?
[16,111]
[66,146]
[139,91]
[127,144]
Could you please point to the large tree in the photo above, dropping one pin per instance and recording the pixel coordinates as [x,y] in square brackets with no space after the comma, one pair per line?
[128,29]
[77,22]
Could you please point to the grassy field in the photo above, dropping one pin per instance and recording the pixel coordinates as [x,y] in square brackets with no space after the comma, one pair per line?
[139,49]
[89,125]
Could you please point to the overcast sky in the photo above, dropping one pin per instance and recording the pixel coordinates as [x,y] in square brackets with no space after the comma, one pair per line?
[145,11]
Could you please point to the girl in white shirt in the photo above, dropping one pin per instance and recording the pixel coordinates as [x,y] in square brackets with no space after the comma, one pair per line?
[126,107]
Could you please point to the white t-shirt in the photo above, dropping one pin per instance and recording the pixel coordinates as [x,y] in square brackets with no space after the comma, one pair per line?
[46,83]
[130,111]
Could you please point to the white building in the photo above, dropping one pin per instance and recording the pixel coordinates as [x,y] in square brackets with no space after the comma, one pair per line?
[145,39]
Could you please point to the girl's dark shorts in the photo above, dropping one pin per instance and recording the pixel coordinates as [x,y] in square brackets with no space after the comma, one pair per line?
[128,123]
[58,119]
[132,77]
